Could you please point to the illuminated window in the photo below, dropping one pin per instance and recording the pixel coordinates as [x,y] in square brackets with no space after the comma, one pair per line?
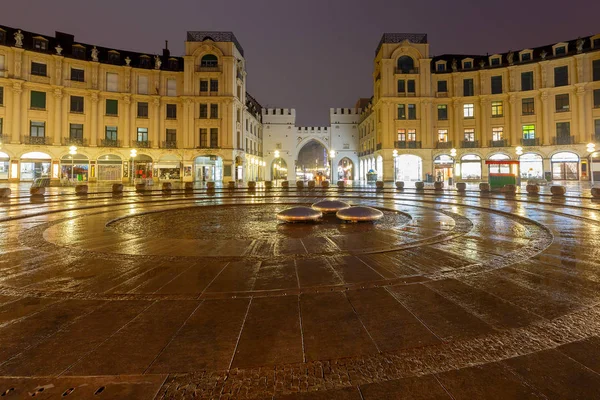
[497,109]
[468,110]
[469,135]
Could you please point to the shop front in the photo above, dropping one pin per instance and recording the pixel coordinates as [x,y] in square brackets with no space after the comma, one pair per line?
[208,168]
[142,167]
[110,168]
[470,167]
[168,168]
[565,166]
[408,168]
[35,165]
[443,166]
[4,166]
[532,166]
[74,168]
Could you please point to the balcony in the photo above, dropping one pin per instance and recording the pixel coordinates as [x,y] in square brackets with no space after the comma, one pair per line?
[110,143]
[530,142]
[211,93]
[410,144]
[407,71]
[74,141]
[563,140]
[469,144]
[444,145]
[499,143]
[208,68]
[142,144]
[37,140]
[169,144]
[441,94]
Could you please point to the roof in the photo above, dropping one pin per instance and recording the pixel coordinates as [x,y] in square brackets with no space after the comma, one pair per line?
[253,107]
[401,37]
[215,36]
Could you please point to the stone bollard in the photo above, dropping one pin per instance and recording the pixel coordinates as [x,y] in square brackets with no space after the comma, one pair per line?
[300,185]
[285,184]
[4,193]
[461,186]
[509,189]
[325,184]
[251,185]
[419,185]
[37,191]
[140,187]
[379,185]
[595,192]
[210,185]
[268,185]
[558,190]
[311,185]
[341,184]
[81,190]
[231,185]
[438,185]
[189,186]
[484,187]
[399,185]
[167,187]
[117,188]
[532,189]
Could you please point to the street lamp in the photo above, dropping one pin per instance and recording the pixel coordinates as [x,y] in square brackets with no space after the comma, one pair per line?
[132,154]
[519,152]
[591,148]
[331,157]
[72,152]
[395,156]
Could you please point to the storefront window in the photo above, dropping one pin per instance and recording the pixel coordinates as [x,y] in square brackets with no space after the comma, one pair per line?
[531,166]
[110,168]
[4,165]
[74,168]
[35,165]
[470,167]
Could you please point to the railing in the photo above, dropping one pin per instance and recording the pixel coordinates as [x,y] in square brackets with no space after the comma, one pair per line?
[169,144]
[441,94]
[444,145]
[407,144]
[378,146]
[499,143]
[209,93]
[142,144]
[110,143]
[74,141]
[563,140]
[206,68]
[37,140]
[469,144]
[407,71]
[208,147]
[530,142]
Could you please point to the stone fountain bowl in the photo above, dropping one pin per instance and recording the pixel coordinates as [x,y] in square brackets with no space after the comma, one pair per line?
[359,214]
[299,214]
[330,206]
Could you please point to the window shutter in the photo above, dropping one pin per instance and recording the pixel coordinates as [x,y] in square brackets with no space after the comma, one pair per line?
[142,85]
[171,87]
[38,100]
[112,82]
[112,107]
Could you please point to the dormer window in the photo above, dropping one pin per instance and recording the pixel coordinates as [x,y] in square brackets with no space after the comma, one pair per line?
[467,64]
[595,41]
[39,43]
[209,60]
[440,66]
[494,62]
[560,49]
[114,57]
[78,51]
[173,64]
[2,36]
[525,57]
[144,61]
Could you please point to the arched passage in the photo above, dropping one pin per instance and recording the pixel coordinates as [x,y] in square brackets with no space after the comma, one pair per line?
[345,169]
[313,162]
[408,168]
[379,168]
[168,167]
[470,167]
[279,170]
[565,166]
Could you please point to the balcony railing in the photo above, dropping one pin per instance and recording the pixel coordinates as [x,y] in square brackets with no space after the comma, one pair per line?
[499,143]
[208,68]
[68,141]
[444,145]
[212,146]
[441,94]
[110,143]
[469,144]
[530,142]
[407,144]
[37,140]
[407,71]
[142,144]
[169,144]
[563,140]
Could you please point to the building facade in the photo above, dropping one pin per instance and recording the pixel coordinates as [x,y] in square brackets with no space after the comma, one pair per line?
[441,118]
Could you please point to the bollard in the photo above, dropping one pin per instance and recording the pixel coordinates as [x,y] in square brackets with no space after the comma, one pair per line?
[231,185]
[595,192]
[341,184]
[4,193]
[419,185]
[300,184]
[461,186]
[558,190]
[532,189]
[140,187]
[251,185]
[438,185]
[188,186]
[268,185]
[311,185]
[399,185]
[509,189]
[117,188]
[167,187]
[210,185]
[324,184]
[379,185]
[285,184]
[39,191]
[484,187]
[81,190]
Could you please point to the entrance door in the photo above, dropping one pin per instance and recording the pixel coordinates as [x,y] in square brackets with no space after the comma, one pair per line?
[565,171]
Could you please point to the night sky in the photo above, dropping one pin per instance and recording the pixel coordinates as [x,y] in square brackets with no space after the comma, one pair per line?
[310,54]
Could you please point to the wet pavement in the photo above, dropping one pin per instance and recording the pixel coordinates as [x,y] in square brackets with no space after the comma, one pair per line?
[204,294]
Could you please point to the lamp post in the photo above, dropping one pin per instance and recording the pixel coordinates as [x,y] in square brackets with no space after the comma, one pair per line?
[132,154]
[591,148]
[453,155]
[519,152]
[395,156]
[72,152]
[331,157]
[276,154]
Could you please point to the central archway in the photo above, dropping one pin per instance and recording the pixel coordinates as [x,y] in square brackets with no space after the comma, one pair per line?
[313,162]
[408,168]
[345,170]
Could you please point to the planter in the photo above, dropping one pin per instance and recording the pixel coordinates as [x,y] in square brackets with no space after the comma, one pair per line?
[325,184]
[167,186]
[268,185]
[311,184]
[140,187]
[484,187]
[117,188]
[438,185]
[285,184]
[399,185]
[81,190]
[419,185]
[210,185]
[596,192]
[231,185]
[461,186]
[341,184]
[509,189]
[189,186]
[39,191]
[300,184]
[4,193]
[532,189]
[251,185]
[558,190]
[379,184]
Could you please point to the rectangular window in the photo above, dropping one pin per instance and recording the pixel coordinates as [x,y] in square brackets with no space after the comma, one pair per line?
[214,111]
[596,70]
[214,137]
[596,98]
[563,129]
[560,51]
[412,111]
[495,62]
[112,82]
[562,102]
[38,100]
[561,76]
[37,129]
[110,133]
[442,135]
[468,88]
[497,84]
[469,135]
[442,112]
[77,75]
[411,86]
[528,106]
[171,111]
[497,109]
[214,85]
[204,137]
[203,110]
[204,86]
[525,57]
[171,135]
[112,107]
[528,131]
[401,111]
[142,85]
[142,109]
[441,67]
[77,104]
[527,80]
[596,43]
[1,95]
[38,69]
[142,134]
[171,87]
[442,86]
[40,44]
[412,135]
[76,131]
[467,65]
[497,133]
[468,110]
[401,135]
[401,86]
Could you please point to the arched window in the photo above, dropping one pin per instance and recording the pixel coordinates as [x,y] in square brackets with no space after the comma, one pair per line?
[209,60]
[405,64]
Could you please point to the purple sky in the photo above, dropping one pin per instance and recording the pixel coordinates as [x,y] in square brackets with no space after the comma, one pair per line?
[310,54]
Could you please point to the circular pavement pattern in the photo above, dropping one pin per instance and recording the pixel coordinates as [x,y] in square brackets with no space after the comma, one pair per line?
[209,296]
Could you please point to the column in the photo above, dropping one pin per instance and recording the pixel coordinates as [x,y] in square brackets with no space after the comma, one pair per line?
[185,134]
[484,125]
[16,113]
[94,121]
[581,136]
[126,123]
[546,138]
[515,137]
[457,123]
[155,122]
[58,95]
[131,133]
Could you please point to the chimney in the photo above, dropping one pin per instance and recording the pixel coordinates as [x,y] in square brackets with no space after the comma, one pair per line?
[166,52]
